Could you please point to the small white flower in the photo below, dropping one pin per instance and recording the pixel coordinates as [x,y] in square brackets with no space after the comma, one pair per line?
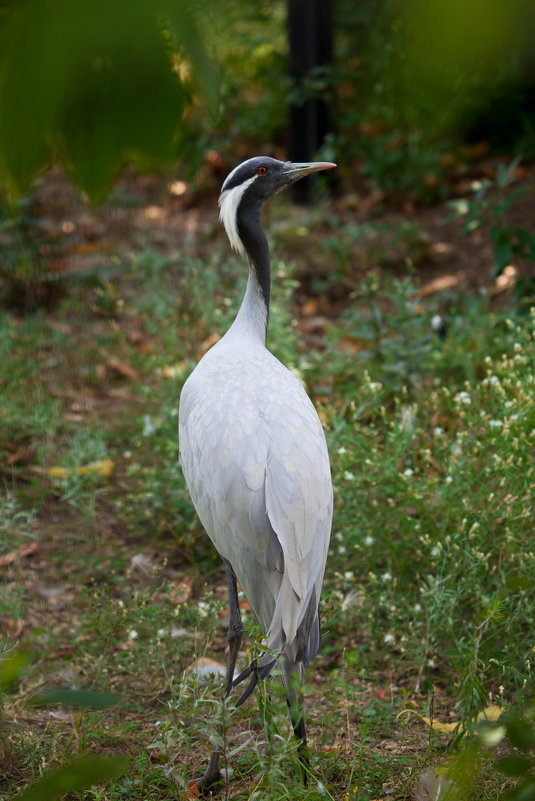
[161,632]
[448,479]
[349,476]
[369,541]
[463,397]
[132,634]
[417,608]
[375,386]
[408,472]
[148,425]
[339,536]
[341,451]
[435,552]
[349,575]
[341,549]
[203,608]
[388,638]
[436,322]
[495,423]
[438,431]
[387,576]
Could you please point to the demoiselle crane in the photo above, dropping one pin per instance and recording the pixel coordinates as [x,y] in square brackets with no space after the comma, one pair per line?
[255,460]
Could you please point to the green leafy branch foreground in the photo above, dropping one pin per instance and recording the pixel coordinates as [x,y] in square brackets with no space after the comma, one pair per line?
[79,773]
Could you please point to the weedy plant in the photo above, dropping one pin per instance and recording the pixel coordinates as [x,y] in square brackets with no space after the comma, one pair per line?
[491,203]
[432,539]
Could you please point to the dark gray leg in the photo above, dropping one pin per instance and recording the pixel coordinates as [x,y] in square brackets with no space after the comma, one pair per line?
[296,705]
[212,774]
[235,628]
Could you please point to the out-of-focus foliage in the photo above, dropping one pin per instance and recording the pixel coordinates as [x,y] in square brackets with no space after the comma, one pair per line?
[415,78]
[248,42]
[99,83]
[457,51]
[94,83]
[510,242]
[514,733]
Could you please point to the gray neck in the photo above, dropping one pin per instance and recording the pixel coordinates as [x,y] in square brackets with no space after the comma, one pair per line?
[254,310]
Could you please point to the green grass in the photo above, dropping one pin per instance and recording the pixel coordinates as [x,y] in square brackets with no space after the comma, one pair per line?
[428,604]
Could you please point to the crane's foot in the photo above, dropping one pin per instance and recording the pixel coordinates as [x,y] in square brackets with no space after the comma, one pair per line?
[212,777]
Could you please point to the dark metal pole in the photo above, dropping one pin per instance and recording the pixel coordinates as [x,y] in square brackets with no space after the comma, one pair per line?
[310,27]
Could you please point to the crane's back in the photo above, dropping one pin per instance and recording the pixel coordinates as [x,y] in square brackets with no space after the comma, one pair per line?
[255,461]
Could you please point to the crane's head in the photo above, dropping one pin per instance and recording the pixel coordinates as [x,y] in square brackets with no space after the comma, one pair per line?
[254,182]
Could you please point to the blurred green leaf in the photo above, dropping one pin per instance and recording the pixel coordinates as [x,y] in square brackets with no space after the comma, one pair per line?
[503,248]
[78,774]
[94,83]
[181,17]
[451,40]
[11,668]
[520,733]
[517,583]
[513,765]
[85,698]
[511,197]
[525,791]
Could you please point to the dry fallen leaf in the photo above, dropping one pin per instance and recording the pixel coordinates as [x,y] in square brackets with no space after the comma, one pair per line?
[15,628]
[123,369]
[208,343]
[205,669]
[22,454]
[177,632]
[439,285]
[102,467]
[174,370]
[60,714]
[492,713]
[309,307]
[24,550]
[48,593]
[181,593]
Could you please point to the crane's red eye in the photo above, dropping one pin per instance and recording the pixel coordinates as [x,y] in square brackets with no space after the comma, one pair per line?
[262,170]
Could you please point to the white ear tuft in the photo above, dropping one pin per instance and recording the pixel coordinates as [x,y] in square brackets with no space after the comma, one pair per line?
[229,202]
